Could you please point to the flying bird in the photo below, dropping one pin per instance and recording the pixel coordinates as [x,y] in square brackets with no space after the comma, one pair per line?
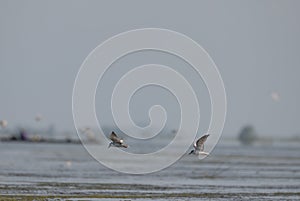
[199,146]
[116,141]
[3,123]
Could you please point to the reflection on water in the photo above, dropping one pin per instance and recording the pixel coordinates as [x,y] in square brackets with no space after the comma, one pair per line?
[231,171]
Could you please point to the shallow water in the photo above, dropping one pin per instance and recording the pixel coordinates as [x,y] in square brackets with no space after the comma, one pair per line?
[231,172]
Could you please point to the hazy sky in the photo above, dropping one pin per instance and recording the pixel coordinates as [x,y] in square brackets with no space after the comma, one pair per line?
[255,45]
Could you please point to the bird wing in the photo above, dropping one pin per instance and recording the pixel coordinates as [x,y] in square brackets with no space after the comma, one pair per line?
[199,144]
[115,138]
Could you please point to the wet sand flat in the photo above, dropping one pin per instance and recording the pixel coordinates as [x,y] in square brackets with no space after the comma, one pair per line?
[231,172]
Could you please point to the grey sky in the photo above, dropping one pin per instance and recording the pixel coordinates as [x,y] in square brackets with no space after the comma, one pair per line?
[255,45]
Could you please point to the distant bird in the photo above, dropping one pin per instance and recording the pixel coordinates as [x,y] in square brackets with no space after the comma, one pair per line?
[199,146]
[275,96]
[116,141]
[3,123]
[68,164]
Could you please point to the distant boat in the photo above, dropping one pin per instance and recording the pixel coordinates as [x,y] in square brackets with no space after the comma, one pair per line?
[38,117]
[247,135]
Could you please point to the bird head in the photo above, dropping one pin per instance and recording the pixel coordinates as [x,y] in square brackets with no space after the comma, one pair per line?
[192,152]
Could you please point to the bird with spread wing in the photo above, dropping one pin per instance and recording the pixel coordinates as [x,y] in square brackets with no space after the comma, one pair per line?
[199,146]
[116,141]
